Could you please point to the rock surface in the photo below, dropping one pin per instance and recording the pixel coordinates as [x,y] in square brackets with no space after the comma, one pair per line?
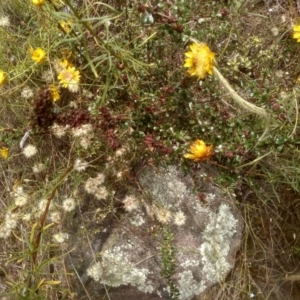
[170,244]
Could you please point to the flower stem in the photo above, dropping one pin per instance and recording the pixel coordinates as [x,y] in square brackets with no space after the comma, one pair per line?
[244,103]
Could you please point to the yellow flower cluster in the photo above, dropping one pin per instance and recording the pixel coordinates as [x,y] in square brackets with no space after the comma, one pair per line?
[296,34]
[54,92]
[38,2]
[199,60]
[199,151]
[4,152]
[69,77]
[66,25]
[2,77]
[38,55]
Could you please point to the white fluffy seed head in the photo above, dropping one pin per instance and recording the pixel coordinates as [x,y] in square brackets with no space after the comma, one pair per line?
[80,165]
[4,21]
[38,168]
[29,151]
[179,218]
[60,237]
[130,203]
[27,93]
[101,193]
[69,204]
[163,215]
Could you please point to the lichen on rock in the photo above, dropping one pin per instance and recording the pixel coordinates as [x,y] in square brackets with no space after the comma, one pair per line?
[202,241]
[116,269]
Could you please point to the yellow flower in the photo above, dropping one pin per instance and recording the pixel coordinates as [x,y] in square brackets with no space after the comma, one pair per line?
[38,55]
[37,2]
[4,152]
[199,151]
[296,34]
[69,78]
[2,77]
[65,63]
[199,60]
[54,92]
[66,25]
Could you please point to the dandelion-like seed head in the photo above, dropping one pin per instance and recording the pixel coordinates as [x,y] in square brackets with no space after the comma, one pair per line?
[91,185]
[48,76]
[100,178]
[26,217]
[69,204]
[55,217]
[85,142]
[20,197]
[4,21]
[73,87]
[80,165]
[58,130]
[82,130]
[11,220]
[87,94]
[199,151]
[120,152]
[199,60]
[38,55]
[60,237]
[2,77]
[27,93]
[29,150]
[5,232]
[179,218]
[163,215]
[296,34]
[38,168]
[42,206]
[101,193]
[130,203]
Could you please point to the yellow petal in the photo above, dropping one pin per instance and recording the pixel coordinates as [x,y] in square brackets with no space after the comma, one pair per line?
[4,152]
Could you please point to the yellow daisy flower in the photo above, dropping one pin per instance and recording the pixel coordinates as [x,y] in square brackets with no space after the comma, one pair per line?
[38,2]
[65,63]
[66,25]
[296,34]
[2,77]
[199,151]
[199,60]
[54,92]
[38,55]
[69,78]
[4,152]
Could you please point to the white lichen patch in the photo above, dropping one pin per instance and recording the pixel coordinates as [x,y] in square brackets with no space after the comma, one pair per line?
[200,209]
[190,263]
[204,236]
[215,248]
[209,197]
[115,269]
[167,188]
[137,219]
[188,287]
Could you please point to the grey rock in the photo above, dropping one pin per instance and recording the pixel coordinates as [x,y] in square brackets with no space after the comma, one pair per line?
[168,245]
